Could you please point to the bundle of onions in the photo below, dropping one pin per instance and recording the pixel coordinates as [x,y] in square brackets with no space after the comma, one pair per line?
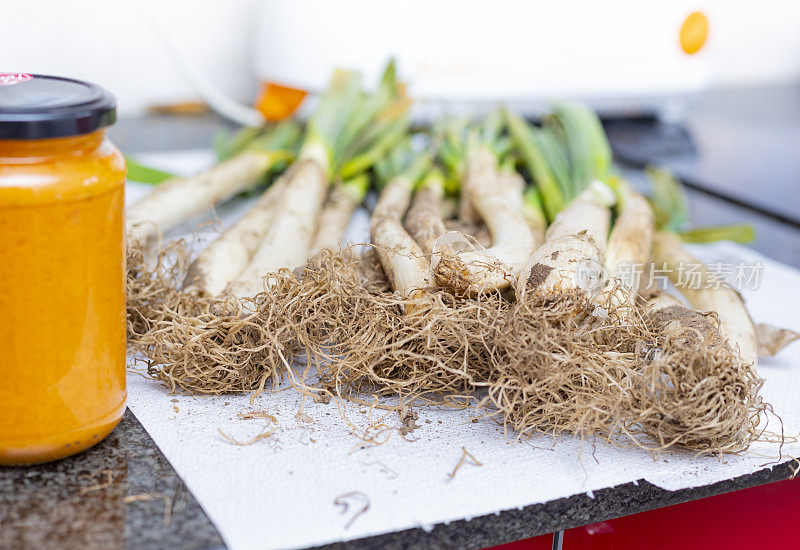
[408,338]
[232,327]
[573,252]
[292,221]
[229,254]
[178,200]
[497,197]
[560,364]
[581,359]
[695,390]
[157,275]
[343,114]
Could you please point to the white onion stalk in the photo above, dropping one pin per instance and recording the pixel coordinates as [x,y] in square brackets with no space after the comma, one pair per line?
[736,326]
[228,255]
[344,117]
[496,267]
[179,199]
[402,259]
[574,250]
[288,240]
[467,213]
[631,238]
[513,184]
[336,213]
[628,248]
[424,219]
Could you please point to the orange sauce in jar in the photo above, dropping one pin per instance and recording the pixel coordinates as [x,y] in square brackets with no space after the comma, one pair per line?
[62,295]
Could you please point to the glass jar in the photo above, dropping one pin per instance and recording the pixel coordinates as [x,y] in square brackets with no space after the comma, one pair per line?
[62,273]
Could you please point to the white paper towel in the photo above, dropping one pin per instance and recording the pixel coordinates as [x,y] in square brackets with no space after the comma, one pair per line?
[282,490]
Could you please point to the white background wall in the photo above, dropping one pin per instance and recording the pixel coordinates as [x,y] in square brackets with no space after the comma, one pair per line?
[755,41]
[106,42]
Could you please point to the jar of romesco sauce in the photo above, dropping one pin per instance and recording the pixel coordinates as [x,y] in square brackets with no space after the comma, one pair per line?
[62,288]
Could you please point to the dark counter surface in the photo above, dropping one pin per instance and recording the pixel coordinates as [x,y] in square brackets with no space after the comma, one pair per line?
[124,494]
[739,145]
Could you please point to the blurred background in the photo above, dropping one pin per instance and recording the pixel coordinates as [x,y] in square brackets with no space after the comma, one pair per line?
[709,89]
[618,53]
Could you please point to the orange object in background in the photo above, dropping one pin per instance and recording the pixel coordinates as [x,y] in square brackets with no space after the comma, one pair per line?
[62,275]
[694,32]
[277,102]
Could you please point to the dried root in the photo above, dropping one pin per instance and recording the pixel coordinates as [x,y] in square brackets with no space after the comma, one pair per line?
[209,345]
[153,280]
[703,398]
[554,363]
[564,366]
[361,340]
[568,366]
[219,345]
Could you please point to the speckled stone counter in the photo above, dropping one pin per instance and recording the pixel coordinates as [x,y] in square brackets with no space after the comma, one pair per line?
[124,494]
[121,493]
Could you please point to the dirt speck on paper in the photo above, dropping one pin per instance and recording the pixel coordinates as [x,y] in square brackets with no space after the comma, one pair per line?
[408,418]
[303,417]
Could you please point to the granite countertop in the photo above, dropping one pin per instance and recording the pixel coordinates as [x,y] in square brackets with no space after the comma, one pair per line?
[124,494]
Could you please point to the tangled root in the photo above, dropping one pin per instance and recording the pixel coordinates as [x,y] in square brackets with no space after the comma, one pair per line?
[209,345]
[365,340]
[557,363]
[564,366]
[222,345]
[698,397]
[153,280]
[568,366]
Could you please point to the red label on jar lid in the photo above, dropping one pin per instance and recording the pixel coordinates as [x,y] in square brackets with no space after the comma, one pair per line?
[7,79]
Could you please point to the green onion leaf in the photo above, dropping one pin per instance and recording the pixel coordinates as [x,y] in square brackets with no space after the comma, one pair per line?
[738,233]
[145,174]
[535,160]
[669,201]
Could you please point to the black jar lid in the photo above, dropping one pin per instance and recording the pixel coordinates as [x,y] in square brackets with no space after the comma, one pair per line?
[36,106]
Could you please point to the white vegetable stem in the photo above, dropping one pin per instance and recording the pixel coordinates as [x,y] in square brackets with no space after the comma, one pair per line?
[628,249]
[705,294]
[225,258]
[513,184]
[401,257]
[424,218]
[334,218]
[179,199]
[467,213]
[572,256]
[496,267]
[631,238]
[288,240]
